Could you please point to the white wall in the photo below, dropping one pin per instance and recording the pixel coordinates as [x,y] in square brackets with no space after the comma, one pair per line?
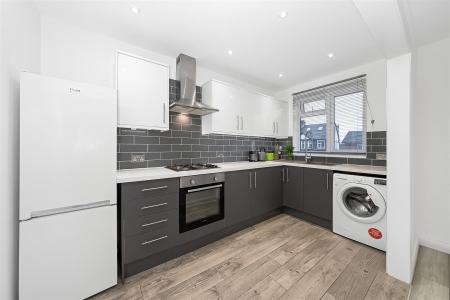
[204,75]
[414,242]
[376,91]
[431,144]
[73,53]
[398,105]
[19,51]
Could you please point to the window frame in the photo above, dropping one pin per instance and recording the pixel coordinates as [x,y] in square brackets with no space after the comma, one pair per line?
[322,142]
[329,113]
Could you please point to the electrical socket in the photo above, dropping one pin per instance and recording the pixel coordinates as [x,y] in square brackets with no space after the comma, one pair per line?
[381,156]
[137,157]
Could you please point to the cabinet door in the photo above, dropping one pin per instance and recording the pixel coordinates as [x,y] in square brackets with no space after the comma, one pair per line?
[267,113]
[317,193]
[292,187]
[238,197]
[254,114]
[281,120]
[228,118]
[143,93]
[268,190]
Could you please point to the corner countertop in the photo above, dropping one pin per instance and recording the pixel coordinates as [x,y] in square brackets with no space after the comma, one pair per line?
[133,175]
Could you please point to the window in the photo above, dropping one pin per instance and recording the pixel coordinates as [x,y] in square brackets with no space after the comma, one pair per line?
[314,105]
[332,118]
[302,146]
[348,119]
[321,144]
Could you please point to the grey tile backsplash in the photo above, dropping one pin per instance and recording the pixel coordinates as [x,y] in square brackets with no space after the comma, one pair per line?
[184,143]
[376,152]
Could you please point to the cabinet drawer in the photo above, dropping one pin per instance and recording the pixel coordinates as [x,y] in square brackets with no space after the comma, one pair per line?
[151,205]
[150,223]
[146,189]
[143,245]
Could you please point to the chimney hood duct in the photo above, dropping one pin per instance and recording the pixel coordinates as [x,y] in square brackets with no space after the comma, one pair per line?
[186,75]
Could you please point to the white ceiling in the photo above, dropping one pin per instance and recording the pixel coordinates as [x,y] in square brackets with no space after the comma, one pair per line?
[263,44]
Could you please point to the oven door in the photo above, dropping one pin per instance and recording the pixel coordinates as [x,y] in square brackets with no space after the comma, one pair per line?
[201,205]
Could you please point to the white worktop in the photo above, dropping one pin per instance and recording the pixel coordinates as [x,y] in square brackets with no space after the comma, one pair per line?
[132,175]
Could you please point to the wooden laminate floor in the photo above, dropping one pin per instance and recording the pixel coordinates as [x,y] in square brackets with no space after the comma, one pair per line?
[432,276]
[281,258]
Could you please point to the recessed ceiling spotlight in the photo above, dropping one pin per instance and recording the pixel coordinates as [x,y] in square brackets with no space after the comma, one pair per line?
[135,9]
[283,14]
[330,55]
[230,52]
[280,75]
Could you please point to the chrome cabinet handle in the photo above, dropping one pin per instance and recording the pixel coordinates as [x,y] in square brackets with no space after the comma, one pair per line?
[250,179]
[154,240]
[152,206]
[255,180]
[242,123]
[155,188]
[237,118]
[153,223]
[282,171]
[327,182]
[273,131]
[287,174]
[277,127]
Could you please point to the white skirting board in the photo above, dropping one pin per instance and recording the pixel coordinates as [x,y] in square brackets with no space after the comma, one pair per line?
[438,245]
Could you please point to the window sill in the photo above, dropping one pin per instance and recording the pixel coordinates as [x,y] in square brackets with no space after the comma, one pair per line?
[343,155]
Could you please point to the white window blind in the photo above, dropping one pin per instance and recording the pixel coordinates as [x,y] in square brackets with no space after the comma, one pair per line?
[332,118]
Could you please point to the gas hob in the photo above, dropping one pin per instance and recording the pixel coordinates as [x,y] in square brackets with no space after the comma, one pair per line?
[190,167]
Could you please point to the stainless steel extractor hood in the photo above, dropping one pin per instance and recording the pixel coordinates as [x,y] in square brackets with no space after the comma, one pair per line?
[186,75]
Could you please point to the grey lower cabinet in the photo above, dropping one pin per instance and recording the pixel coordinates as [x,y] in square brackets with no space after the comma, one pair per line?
[292,178]
[268,190]
[148,219]
[251,193]
[318,193]
[238,197]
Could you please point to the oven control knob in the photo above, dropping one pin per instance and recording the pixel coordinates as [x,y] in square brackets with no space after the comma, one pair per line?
[192,181]
[215,178]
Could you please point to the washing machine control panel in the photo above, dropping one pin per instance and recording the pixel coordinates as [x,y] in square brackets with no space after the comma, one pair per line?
[379,181]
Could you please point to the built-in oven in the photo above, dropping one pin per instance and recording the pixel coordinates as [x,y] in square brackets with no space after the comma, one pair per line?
[201,200]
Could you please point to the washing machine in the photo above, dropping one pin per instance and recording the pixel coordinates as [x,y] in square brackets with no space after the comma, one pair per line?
[359,209]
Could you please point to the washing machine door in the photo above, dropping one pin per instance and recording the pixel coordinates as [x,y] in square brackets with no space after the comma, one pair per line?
[361,203]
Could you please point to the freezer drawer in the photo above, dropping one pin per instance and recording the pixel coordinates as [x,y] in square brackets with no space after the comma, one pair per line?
[68,256]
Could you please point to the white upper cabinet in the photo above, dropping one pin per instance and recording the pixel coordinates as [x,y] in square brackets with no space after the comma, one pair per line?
[280,118]
[143,93]
[242,112]
[227,120]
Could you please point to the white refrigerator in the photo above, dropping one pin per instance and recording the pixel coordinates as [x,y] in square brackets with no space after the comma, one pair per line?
[68,215]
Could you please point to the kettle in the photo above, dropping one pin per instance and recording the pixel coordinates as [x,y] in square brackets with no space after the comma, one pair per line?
[252,156]
[261,155]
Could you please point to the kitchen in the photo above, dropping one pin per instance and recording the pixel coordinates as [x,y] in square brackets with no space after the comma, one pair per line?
[173,174]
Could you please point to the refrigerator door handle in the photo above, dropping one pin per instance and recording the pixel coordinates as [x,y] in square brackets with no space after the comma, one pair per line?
[61,210]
